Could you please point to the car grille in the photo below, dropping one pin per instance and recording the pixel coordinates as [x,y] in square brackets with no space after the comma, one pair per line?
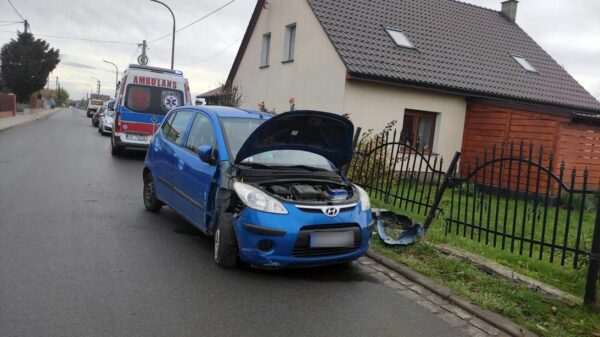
[302,247]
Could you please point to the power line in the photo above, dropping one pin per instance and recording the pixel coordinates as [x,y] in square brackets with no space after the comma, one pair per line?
[16,11]
[85,39]
[9,24]
[78,38]
[133,55]
[200,19]
[3,21]
[212,56]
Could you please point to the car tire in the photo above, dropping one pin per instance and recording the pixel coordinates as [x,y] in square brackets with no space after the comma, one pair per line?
[225,243]
[151,202]
[114,149]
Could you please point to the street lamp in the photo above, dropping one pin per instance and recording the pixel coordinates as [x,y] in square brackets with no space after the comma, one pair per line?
[116,76]
[173,43]
[98,84]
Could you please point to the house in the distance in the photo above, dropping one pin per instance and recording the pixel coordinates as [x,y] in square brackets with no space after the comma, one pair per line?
[454,75]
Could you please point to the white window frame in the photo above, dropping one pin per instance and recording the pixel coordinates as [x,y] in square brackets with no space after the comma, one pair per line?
[289,45]
[524,63]
[266,50]
[399,38]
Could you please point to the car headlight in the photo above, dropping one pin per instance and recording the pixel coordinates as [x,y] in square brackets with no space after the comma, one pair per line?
[365,202]
[257,199]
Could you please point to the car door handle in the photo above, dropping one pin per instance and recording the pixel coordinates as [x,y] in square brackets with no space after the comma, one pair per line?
[180,164]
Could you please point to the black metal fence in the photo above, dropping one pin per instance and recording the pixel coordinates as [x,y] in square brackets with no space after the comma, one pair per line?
[513,197]
[397,173]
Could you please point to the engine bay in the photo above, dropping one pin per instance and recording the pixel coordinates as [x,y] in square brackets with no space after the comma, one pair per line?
[311,191]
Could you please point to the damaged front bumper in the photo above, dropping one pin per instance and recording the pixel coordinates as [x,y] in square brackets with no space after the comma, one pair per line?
[270,240]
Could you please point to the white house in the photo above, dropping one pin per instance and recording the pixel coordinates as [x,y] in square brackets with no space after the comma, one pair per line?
[429,64]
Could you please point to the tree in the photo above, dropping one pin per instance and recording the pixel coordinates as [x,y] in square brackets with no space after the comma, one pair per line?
[26,64]
[63,97]
[231,96]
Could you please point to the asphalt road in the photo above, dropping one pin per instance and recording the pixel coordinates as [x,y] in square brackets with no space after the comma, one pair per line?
[79,256]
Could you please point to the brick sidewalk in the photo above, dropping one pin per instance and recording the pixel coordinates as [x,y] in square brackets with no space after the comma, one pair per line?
[451,314]
[10,122]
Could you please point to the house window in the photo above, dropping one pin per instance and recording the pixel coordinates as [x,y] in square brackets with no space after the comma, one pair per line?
[418,129]
[399,38]
[289,43]
[524,63]
[266,50]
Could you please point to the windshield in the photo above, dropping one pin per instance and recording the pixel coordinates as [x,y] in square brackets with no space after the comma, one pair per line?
[291,159]
[152,100]
[110,113]
[97,102]
[101,110]
[237,130]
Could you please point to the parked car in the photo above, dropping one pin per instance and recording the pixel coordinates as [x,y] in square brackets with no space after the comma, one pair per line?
[270,189]
[105,124]
[96,116]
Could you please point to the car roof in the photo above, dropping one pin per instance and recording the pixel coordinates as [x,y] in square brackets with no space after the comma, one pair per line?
[225,112]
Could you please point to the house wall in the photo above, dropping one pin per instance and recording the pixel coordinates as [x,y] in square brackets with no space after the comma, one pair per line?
[373,105]
[316,76]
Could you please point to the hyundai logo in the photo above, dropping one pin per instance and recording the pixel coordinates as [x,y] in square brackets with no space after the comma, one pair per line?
[154,119]
[331,211]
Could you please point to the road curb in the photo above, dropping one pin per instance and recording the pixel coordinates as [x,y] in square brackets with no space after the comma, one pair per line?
[494,319]
[38,118]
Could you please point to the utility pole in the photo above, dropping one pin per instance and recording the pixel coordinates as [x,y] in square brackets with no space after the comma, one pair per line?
[56,89]
[98,83]
[26,24]
[143,59]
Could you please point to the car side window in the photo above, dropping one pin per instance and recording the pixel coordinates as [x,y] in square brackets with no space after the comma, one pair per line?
[167,124]
[177,127]
[201,133]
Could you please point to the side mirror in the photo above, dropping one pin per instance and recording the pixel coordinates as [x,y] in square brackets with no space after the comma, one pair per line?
[207,154]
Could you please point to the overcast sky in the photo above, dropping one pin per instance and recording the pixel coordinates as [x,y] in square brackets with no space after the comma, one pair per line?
[569,30]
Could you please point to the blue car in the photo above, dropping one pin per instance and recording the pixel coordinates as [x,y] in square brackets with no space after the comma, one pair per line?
[271,190]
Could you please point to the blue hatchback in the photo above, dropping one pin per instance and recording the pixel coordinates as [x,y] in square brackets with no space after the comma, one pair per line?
[270,189]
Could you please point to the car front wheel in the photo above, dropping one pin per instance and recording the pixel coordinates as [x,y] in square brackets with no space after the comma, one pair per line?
[151,202]
[225,242]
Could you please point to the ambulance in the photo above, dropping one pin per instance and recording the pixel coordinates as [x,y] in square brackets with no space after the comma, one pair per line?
[145,95]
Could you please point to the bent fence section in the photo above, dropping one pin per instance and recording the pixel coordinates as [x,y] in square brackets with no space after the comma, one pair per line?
[513,197]
[396,173]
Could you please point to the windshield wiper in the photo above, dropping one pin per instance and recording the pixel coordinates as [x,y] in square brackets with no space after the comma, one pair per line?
[257,165]
[283,167]
[303,167]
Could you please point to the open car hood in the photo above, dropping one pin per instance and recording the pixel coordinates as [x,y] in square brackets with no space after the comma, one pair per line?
[323,133]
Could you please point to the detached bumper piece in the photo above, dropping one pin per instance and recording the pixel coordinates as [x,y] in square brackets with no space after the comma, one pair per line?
[406,231]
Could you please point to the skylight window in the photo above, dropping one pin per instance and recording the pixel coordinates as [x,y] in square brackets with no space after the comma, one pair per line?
[399,38]
[524,63]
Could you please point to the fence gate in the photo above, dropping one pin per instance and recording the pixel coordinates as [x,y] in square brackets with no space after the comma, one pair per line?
[396,173]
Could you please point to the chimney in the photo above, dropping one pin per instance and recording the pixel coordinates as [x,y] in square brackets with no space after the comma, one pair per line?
[509,9]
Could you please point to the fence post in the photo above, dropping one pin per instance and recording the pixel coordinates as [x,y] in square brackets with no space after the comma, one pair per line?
[346,169]
[592,276]
[440,192]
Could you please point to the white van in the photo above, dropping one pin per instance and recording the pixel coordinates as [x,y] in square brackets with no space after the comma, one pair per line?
[145,94]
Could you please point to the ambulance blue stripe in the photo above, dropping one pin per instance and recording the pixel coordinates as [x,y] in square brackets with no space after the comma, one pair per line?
[130,116]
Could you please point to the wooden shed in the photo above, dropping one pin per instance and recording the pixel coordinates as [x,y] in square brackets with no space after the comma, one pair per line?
[574,138]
